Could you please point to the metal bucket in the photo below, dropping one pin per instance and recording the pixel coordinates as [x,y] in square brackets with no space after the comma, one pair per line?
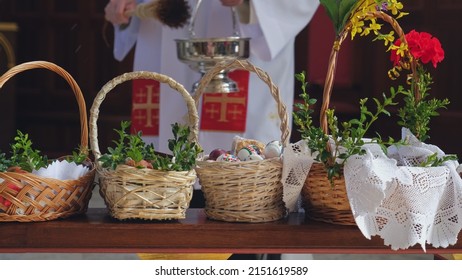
[202,54]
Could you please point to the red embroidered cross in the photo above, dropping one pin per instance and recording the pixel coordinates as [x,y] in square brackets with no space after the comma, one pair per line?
[145,107]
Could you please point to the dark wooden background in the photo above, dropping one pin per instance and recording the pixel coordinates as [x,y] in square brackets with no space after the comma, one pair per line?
[73,34]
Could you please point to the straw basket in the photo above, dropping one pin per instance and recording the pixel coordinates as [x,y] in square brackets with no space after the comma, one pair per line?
[132,193]
[37,198]
[324,202]
[321,200]
[247,191]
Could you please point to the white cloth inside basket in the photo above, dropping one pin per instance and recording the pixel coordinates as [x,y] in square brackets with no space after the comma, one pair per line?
[403,204]
[62,170]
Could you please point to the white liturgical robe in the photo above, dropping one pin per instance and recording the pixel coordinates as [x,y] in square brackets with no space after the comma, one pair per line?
[273,27]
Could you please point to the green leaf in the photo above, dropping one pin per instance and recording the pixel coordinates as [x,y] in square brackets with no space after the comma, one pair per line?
[24,156]
[332,9]
[300,76]
[135,154]
[346,7]
[355,121]
[339,12]
[4,162]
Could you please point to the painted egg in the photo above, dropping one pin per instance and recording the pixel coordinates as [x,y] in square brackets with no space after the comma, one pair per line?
[227,158]
[245,152]
[273,149]
[216,153]
[255,148]
[253,157]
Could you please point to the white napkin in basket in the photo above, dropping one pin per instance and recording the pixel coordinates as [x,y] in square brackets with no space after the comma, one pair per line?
[62,170]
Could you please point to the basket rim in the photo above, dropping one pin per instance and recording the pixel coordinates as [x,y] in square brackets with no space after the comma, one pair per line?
[238,163]
[147,170]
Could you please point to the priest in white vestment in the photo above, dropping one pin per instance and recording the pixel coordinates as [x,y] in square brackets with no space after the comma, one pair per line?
[272,26]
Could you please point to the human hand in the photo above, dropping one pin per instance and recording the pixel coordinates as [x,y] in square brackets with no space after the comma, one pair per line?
[115,11]
[231,3]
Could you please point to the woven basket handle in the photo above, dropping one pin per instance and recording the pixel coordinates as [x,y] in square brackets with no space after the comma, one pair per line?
[94,111]
[246,65]
[70,80]
[328,85]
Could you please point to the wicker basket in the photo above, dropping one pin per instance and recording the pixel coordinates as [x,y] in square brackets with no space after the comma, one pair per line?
[132,193]
[321,200]
[248,191]
[324,202]
[37,198]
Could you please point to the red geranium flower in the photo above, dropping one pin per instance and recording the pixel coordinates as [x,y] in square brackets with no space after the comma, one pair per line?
[423,46]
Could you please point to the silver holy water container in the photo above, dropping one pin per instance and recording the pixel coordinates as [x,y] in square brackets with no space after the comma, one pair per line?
[202,54]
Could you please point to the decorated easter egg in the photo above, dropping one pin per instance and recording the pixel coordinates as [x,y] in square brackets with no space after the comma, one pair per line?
[216,153]
[273,149]
[253,157]
[256,149]
[245,152]
[227,157]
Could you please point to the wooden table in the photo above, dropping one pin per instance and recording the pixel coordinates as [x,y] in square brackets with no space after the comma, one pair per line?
[97,232]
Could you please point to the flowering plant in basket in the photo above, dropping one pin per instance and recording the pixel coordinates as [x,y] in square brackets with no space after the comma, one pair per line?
[418,108]
[408,52]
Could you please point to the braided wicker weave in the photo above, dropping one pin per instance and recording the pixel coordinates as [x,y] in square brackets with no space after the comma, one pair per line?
[132,193]
[35,198]
[247,191]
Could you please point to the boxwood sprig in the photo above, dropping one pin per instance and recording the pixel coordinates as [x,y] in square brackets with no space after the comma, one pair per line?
[348,137]
[132,147]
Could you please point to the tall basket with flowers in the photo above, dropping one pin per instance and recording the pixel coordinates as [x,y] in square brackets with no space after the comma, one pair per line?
[383,187]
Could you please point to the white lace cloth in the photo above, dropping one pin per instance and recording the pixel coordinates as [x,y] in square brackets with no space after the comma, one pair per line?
[402,204]
[296,165]
[297,161]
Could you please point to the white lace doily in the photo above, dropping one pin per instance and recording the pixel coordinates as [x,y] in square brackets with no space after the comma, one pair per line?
[403,204]
[297,161]
[389,197]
